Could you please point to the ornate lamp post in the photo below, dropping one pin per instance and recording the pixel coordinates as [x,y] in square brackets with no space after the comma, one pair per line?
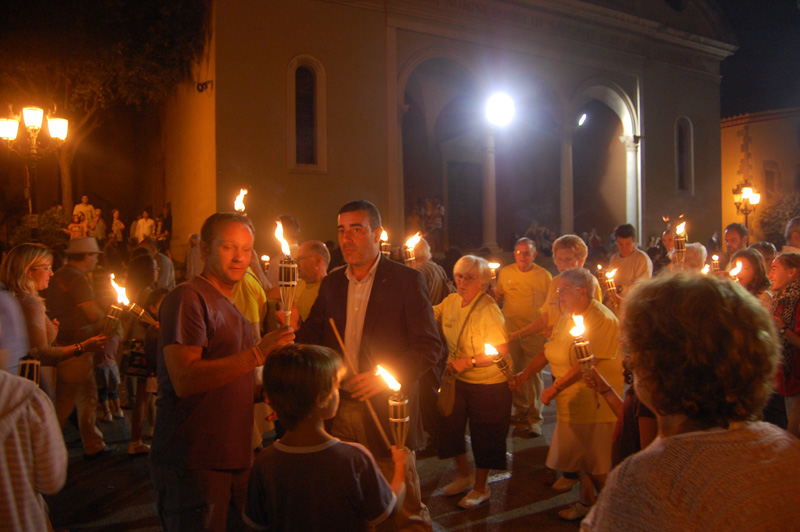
[745,198]
[32,150]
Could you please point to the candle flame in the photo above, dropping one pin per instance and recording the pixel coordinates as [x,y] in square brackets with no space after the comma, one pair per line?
[579,329]
[490,350]
[737,269]
[238,203]
[384,236]
[121,296]
[705,269]
[390,381]
[681,228]
[610,275]
[412,242]
[494,265]
[284,244]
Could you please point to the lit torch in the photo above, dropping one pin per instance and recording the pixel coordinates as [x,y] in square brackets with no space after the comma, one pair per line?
[287,275]
[680,243]
[493,267]
[736,271]
[265,262]
[715,263]
[500,360]
[611,286]
[115,311]
[409,255]
[398,409]
[583,350]
[238,203]
[386,247]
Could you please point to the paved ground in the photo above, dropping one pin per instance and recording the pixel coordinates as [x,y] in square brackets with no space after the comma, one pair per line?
[113,493]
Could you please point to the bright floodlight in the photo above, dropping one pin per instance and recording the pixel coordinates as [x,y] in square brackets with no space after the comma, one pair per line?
[33,117]
[58,128]
[582,119]
[500,109]
[8,128]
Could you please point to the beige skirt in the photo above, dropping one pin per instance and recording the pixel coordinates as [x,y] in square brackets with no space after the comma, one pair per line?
[581,447]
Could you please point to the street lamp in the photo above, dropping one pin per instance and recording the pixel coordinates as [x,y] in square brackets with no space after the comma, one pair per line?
[745,198]
[500,112]
[32,117]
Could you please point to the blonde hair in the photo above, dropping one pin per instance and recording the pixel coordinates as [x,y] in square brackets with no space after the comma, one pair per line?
[21,258]
[467,263]
[573,242]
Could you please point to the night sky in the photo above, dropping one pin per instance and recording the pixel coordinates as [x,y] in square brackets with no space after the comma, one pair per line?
[764,74]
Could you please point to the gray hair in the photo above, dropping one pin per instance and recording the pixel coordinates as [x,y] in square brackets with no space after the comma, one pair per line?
[581,278]
[468,263]
[422,250]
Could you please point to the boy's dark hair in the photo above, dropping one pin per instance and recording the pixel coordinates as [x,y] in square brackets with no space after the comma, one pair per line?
[296,377]
[625,231]
[738,228]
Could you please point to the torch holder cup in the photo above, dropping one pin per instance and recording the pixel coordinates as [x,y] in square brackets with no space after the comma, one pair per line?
[409,257]
[680,249]
[386,249]
[141,314]
[504,366]
[583,352]
[112,319]
[287,283]
[398,418]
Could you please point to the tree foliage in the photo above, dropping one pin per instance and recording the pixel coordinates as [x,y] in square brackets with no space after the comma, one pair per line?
[773,218]
[50,231]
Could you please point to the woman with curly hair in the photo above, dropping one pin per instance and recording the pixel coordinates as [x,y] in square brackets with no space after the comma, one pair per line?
[753,275]
[26,270]
[703,354]
[785,277]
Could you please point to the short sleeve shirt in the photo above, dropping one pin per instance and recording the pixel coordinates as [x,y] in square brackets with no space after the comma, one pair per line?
[485,326]
[69,288]
[209,430]
[335,486]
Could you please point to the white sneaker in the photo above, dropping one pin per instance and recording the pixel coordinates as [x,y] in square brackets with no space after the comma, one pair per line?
[459,485]
[564,484]
[574,512]
[535,430]
[474,499]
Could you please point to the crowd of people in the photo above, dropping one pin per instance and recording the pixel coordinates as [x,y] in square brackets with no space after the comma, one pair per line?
[676,392]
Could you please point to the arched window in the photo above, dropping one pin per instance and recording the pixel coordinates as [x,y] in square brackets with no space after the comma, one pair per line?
[307,147]
[684,155]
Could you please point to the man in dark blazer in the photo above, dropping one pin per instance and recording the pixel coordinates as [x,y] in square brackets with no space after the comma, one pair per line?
[382,310]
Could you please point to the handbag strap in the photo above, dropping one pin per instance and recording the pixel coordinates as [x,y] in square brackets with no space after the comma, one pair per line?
[466,320]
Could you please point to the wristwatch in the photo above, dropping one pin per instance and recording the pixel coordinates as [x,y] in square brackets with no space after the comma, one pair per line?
[78,349]
[474,361]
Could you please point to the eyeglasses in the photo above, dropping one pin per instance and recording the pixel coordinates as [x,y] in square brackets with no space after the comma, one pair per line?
[523,252]
[465,278]
[565,288]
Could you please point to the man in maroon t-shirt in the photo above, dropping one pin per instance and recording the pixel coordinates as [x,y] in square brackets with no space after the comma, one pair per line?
[201,454]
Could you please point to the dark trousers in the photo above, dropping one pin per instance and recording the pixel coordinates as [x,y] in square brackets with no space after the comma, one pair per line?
[200,500]
[487,407]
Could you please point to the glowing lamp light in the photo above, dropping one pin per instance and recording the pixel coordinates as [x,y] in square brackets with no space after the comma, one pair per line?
[500,109]
[58,128]
[33,117]
[391,382]
[238,203]
[747,193]
[582,119]
[755,199]
[579,329]
[9,128]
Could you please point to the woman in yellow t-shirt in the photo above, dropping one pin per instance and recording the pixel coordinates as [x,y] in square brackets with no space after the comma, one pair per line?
[470,319]
[584,423]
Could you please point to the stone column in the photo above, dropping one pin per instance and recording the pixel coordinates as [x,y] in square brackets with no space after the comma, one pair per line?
[633,210]
[567,197]
[489,194]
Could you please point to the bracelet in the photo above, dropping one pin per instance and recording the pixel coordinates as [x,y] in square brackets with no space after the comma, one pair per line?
[256,351]
[78,349]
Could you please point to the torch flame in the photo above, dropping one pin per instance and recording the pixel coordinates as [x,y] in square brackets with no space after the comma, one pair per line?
[489,350]
[494,265]
[737,269]
[665,218]
[599,267]
[714,257]
[265,258]
[238,203]
[284,244]
[705,269]
[121,297]
[413,241]
[390,381]
[681,228]
[609,275]
[384,236]
[579,329]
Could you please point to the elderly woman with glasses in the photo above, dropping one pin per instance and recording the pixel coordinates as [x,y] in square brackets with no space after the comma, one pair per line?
[703,353]
[26,270]
[584,423]
[470,319]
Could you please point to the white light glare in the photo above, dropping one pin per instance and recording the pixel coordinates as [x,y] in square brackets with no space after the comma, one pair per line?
[500,109]
[582,119]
